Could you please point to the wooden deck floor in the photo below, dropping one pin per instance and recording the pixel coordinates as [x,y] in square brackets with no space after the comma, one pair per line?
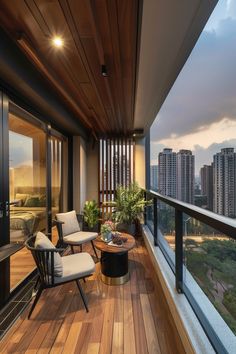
[133,318]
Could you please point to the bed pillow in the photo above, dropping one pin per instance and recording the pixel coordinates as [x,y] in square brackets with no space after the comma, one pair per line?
[22,198]
[71,224]
[42,200]
[32,201]
[43,242]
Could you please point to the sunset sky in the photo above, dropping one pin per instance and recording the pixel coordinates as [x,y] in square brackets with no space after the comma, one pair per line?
[200,111]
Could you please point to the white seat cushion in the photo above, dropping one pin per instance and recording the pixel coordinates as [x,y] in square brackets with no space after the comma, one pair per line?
[43,242]
[80,237]
[76,266]
[70,220]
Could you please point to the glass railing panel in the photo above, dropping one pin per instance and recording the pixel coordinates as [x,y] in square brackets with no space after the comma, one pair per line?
[210,259]
[150,213]
[166,229]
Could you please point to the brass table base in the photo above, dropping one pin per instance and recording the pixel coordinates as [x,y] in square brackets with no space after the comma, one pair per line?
[115,280]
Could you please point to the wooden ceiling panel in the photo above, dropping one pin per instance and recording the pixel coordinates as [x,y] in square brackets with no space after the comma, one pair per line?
[128,46]
[82,17]
[95,33]
[53,16]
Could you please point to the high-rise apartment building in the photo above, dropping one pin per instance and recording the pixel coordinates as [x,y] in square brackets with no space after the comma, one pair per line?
[167,173]
[154,173]
[206,174]
[185,176]
[224,182]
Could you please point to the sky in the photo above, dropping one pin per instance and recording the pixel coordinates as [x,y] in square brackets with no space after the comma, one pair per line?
[200,111]
[20,150]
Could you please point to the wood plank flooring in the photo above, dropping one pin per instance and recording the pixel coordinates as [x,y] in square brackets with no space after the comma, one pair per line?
[133,318]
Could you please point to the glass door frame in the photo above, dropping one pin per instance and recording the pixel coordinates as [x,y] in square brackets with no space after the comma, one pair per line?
[5,106]
[4,197]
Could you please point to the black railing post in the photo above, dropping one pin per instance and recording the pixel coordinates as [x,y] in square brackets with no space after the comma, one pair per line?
[179,250]
[155,232]
[145,209]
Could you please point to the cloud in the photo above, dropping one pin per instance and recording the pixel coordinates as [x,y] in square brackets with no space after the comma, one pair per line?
[205,91]
[225,129]
[204,156]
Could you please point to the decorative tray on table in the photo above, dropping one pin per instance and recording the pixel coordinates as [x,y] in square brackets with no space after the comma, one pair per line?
[117,241]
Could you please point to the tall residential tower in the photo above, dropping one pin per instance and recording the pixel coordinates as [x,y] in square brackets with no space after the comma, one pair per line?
[185,176]
[206,174]
[224,182]
[167,173]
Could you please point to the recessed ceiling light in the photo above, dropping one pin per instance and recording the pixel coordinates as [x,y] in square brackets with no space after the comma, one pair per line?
[57,42]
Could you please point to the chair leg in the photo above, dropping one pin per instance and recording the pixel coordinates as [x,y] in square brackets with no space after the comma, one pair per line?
[81,248]
[72,249]
[35,301]
[94,249]
[82,295]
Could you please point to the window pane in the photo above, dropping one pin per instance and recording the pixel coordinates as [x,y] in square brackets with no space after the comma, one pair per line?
[27,178]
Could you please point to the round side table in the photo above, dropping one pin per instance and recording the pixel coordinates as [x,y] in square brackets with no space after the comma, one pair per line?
[114,260]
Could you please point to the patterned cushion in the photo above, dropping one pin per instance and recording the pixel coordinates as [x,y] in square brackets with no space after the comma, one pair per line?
[43,242]
[71,223]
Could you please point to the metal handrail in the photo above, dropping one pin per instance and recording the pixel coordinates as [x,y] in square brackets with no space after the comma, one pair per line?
[222,223]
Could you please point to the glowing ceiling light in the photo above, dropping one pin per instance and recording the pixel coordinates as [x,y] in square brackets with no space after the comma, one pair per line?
[57,42]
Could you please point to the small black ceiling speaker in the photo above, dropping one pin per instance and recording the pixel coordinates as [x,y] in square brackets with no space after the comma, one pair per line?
[104,70]
[138,133]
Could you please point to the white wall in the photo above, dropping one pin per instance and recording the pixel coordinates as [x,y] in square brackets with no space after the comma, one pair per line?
[85,172]
[92,170]
[79,173]
[140,162]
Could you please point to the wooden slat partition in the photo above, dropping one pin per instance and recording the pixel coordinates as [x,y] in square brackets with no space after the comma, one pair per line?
[116,168]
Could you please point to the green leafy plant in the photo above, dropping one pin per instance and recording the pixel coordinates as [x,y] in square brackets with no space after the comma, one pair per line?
[91,213]
[107,227]
[129,203]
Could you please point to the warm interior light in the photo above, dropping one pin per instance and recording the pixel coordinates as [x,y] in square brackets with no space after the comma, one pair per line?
[57,42]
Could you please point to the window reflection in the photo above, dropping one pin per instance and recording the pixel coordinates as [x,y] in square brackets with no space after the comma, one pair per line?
[27,155]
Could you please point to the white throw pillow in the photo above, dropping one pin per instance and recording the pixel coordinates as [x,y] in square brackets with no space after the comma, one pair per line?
[43,242]
[71,224]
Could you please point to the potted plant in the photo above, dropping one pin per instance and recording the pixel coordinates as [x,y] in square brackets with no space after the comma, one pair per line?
[129,205]
[91,215]
[106,231]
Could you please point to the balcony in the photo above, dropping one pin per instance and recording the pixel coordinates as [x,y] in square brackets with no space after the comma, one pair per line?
[74,124]
[132,318]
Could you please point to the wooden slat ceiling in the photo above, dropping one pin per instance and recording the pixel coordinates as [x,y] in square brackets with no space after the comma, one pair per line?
[95,32]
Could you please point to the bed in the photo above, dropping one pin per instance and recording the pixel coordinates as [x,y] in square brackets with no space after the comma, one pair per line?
[29,213]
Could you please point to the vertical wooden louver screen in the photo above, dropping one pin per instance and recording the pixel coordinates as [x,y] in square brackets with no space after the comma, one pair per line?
[116,167]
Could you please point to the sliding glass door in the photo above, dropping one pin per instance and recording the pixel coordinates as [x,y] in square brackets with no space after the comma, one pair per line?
[30,189]
[27,187]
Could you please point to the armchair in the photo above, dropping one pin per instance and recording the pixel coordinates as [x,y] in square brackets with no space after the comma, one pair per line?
[69,231]
[55,270]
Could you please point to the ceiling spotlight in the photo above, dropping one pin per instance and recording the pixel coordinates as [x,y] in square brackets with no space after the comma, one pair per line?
[57,42]
[104,70]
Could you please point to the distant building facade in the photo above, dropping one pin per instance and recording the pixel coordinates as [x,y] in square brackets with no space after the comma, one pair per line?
[154,175]
[167,173]
[185,176]
[206,174]
[224,182]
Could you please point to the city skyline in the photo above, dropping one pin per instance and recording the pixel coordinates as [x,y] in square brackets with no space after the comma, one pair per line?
[200,107]
[175,178]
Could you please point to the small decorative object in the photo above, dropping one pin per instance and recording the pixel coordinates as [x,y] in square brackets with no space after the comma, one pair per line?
[118,240]
[106,231]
